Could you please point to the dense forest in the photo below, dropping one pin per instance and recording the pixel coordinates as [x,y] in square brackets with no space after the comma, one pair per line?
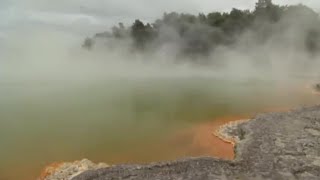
[202,34]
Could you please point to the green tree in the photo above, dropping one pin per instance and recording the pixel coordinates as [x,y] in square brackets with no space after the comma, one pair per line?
[141,33]
[216,19]
[88,43]
[200,34]
[119,31]
[266,10]
[262,4]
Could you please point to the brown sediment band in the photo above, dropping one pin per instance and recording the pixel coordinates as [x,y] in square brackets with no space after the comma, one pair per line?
[266,131]
[207,139]
[220,146]
[49,170]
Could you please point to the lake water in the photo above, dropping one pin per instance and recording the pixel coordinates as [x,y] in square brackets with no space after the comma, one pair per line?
[122,120]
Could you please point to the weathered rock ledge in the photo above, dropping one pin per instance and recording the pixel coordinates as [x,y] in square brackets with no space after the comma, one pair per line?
[271,146]
[68,170]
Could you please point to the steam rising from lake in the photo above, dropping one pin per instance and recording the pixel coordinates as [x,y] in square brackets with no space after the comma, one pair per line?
[60,102]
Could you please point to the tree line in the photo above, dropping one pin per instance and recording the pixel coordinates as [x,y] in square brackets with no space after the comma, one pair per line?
[201,34]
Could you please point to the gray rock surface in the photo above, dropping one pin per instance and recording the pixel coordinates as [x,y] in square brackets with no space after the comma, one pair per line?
[67,171]
[272,146]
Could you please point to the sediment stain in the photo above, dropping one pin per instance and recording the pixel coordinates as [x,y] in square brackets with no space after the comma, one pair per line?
[203,142]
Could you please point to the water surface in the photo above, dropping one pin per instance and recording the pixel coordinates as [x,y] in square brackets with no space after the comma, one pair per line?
[122,120]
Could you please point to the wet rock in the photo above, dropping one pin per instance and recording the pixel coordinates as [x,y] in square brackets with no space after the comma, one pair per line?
[273,146]
[232,131]
[66,171]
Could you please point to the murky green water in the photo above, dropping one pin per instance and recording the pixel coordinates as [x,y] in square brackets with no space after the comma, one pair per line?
[119,120]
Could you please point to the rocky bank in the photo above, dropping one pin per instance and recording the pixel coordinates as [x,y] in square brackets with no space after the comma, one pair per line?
[271,146]
[66,171]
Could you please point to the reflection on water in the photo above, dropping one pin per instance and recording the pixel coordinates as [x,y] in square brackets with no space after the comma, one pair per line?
[120,121]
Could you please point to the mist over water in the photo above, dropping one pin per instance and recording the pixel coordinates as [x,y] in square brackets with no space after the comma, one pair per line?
[60,102]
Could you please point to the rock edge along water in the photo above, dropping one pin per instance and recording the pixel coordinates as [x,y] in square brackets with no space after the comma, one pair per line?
[282,145]
[65,171]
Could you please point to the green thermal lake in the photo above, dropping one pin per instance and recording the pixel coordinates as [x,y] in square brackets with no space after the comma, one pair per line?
[120,121]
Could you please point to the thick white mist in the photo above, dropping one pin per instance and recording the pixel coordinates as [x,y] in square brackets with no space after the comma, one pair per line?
[60,102]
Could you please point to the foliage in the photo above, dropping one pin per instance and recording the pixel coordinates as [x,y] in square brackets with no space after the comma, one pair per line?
[88,43]
[201,34]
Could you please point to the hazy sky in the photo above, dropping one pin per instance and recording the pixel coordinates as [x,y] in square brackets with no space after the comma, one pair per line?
[88,16]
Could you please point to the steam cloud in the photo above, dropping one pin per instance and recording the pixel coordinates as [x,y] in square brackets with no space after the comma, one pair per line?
[77,94]
[44,52]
